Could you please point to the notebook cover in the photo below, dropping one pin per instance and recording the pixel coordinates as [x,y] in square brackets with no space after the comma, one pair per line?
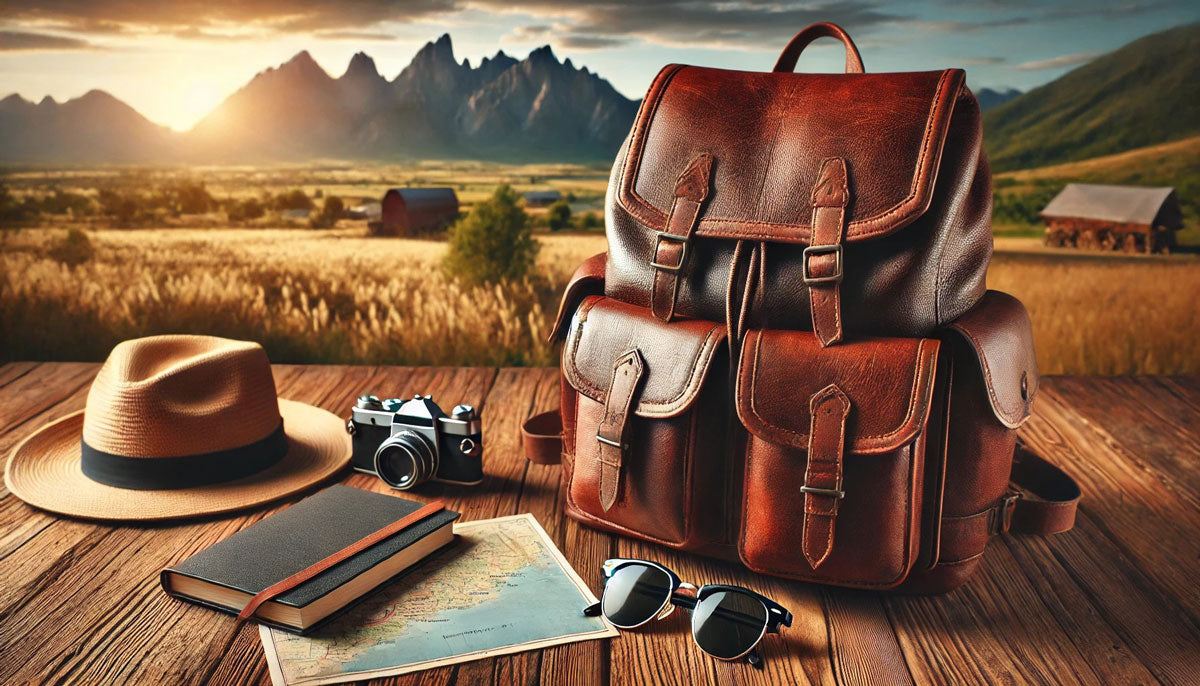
[305,533]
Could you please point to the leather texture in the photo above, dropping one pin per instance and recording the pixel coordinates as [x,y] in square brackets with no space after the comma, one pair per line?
[795,363]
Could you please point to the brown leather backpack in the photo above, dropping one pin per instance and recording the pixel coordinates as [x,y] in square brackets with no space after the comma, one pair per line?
[788,356]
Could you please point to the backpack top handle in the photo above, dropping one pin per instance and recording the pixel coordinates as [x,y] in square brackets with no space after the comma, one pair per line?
[787,59]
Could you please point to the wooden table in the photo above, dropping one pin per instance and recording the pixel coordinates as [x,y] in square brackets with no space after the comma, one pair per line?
[1115,601]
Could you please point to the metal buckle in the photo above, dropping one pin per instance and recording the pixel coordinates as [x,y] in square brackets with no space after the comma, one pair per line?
[827,492]
[1007,506]
[836,251]
[682,254]
[618,446]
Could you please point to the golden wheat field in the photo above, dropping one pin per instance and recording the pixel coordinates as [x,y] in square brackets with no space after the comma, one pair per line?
[337,296]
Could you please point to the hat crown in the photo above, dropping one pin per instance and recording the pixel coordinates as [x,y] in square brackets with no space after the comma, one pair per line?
[173,396]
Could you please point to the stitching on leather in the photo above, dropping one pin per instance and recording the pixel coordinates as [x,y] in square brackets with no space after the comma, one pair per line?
[919,371]
[963,561]
[577,379]
[651,216]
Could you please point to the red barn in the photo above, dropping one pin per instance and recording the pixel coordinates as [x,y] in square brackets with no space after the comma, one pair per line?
[414,211]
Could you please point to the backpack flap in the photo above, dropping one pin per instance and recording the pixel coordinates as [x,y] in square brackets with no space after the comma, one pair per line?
[835,457]
[771,133]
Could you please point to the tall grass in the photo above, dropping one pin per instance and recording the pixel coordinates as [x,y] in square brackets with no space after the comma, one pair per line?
[335,296]
[307,296]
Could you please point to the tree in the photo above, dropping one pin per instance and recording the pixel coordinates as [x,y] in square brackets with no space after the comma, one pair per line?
[294,200]
[559,215]
[330,213]
[245,210]
[73,250]
[493,243]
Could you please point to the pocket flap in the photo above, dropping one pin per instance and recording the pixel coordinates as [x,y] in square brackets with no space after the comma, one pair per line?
[889,382]
[1001,336]
[677,355]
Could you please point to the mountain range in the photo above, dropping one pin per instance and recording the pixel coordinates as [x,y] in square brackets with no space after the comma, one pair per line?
[1144,93]
[543,109]
[533,109]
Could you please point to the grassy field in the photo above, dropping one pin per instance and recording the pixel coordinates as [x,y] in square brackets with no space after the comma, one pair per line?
[1020,195]
[338,296]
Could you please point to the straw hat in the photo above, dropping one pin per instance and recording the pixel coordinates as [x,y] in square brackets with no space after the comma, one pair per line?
[174,427]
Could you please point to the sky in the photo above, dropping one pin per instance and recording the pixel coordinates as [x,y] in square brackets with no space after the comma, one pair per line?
[176,61]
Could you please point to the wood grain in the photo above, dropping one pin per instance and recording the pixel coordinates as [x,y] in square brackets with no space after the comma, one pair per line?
[1113,601]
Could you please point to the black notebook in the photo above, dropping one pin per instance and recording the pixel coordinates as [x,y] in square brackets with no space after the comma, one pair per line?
[227,574]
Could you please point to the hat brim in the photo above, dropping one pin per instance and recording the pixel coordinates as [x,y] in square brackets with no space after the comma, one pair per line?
[44,471]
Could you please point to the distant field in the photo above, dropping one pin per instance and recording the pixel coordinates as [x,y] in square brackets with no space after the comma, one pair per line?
[337,296]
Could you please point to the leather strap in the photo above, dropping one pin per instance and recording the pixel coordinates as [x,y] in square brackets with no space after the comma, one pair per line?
[542,436]
[612,433]
[1047,497]
[349,551]
[671,245]
[822,487]
[822,265]
[791,53]
[1041,500]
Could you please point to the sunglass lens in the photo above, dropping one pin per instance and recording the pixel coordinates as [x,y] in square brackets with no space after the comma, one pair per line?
[634,594]
[727,624]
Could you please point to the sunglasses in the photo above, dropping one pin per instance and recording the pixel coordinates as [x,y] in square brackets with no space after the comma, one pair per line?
[727,621]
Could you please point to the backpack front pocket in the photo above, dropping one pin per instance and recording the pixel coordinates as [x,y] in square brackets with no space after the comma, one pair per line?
[650,410]
[834,459]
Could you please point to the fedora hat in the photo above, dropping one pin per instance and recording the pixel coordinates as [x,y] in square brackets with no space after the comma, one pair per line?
[174,427]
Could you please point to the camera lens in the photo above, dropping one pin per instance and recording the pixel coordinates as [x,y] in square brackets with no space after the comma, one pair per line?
[405,460]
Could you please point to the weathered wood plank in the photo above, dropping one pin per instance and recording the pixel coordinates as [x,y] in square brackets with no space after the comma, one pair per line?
[1123,498]
[1157,428]
[1113,601]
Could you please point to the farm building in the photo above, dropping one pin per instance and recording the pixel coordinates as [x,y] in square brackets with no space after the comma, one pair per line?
[371,211]
[542,198]
[412,211]
[1128,218]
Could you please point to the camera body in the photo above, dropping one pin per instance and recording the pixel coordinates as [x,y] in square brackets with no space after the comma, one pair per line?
[409,442]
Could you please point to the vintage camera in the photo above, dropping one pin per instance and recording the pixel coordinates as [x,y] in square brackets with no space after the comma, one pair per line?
[409,442]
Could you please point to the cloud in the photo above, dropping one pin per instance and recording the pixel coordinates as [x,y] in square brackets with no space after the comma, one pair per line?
[578,24]
[20,41]
[580,41]
[748,23]
[561,36]
[1060,61]
[287,16]
[355,35]
[982,61]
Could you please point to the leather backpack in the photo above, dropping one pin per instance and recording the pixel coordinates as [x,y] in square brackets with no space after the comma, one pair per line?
[788,356]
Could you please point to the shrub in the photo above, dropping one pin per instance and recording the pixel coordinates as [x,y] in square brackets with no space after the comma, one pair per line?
[294,200]
[330,213]
[559,215]
[493,243]
[73,250]
[245,210]
[589,221]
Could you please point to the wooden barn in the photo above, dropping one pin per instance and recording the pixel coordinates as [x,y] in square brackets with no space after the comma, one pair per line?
[542,198]
[414,211]
[1128,218]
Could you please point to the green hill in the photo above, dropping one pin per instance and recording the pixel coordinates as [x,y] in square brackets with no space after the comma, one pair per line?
[1144,93]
